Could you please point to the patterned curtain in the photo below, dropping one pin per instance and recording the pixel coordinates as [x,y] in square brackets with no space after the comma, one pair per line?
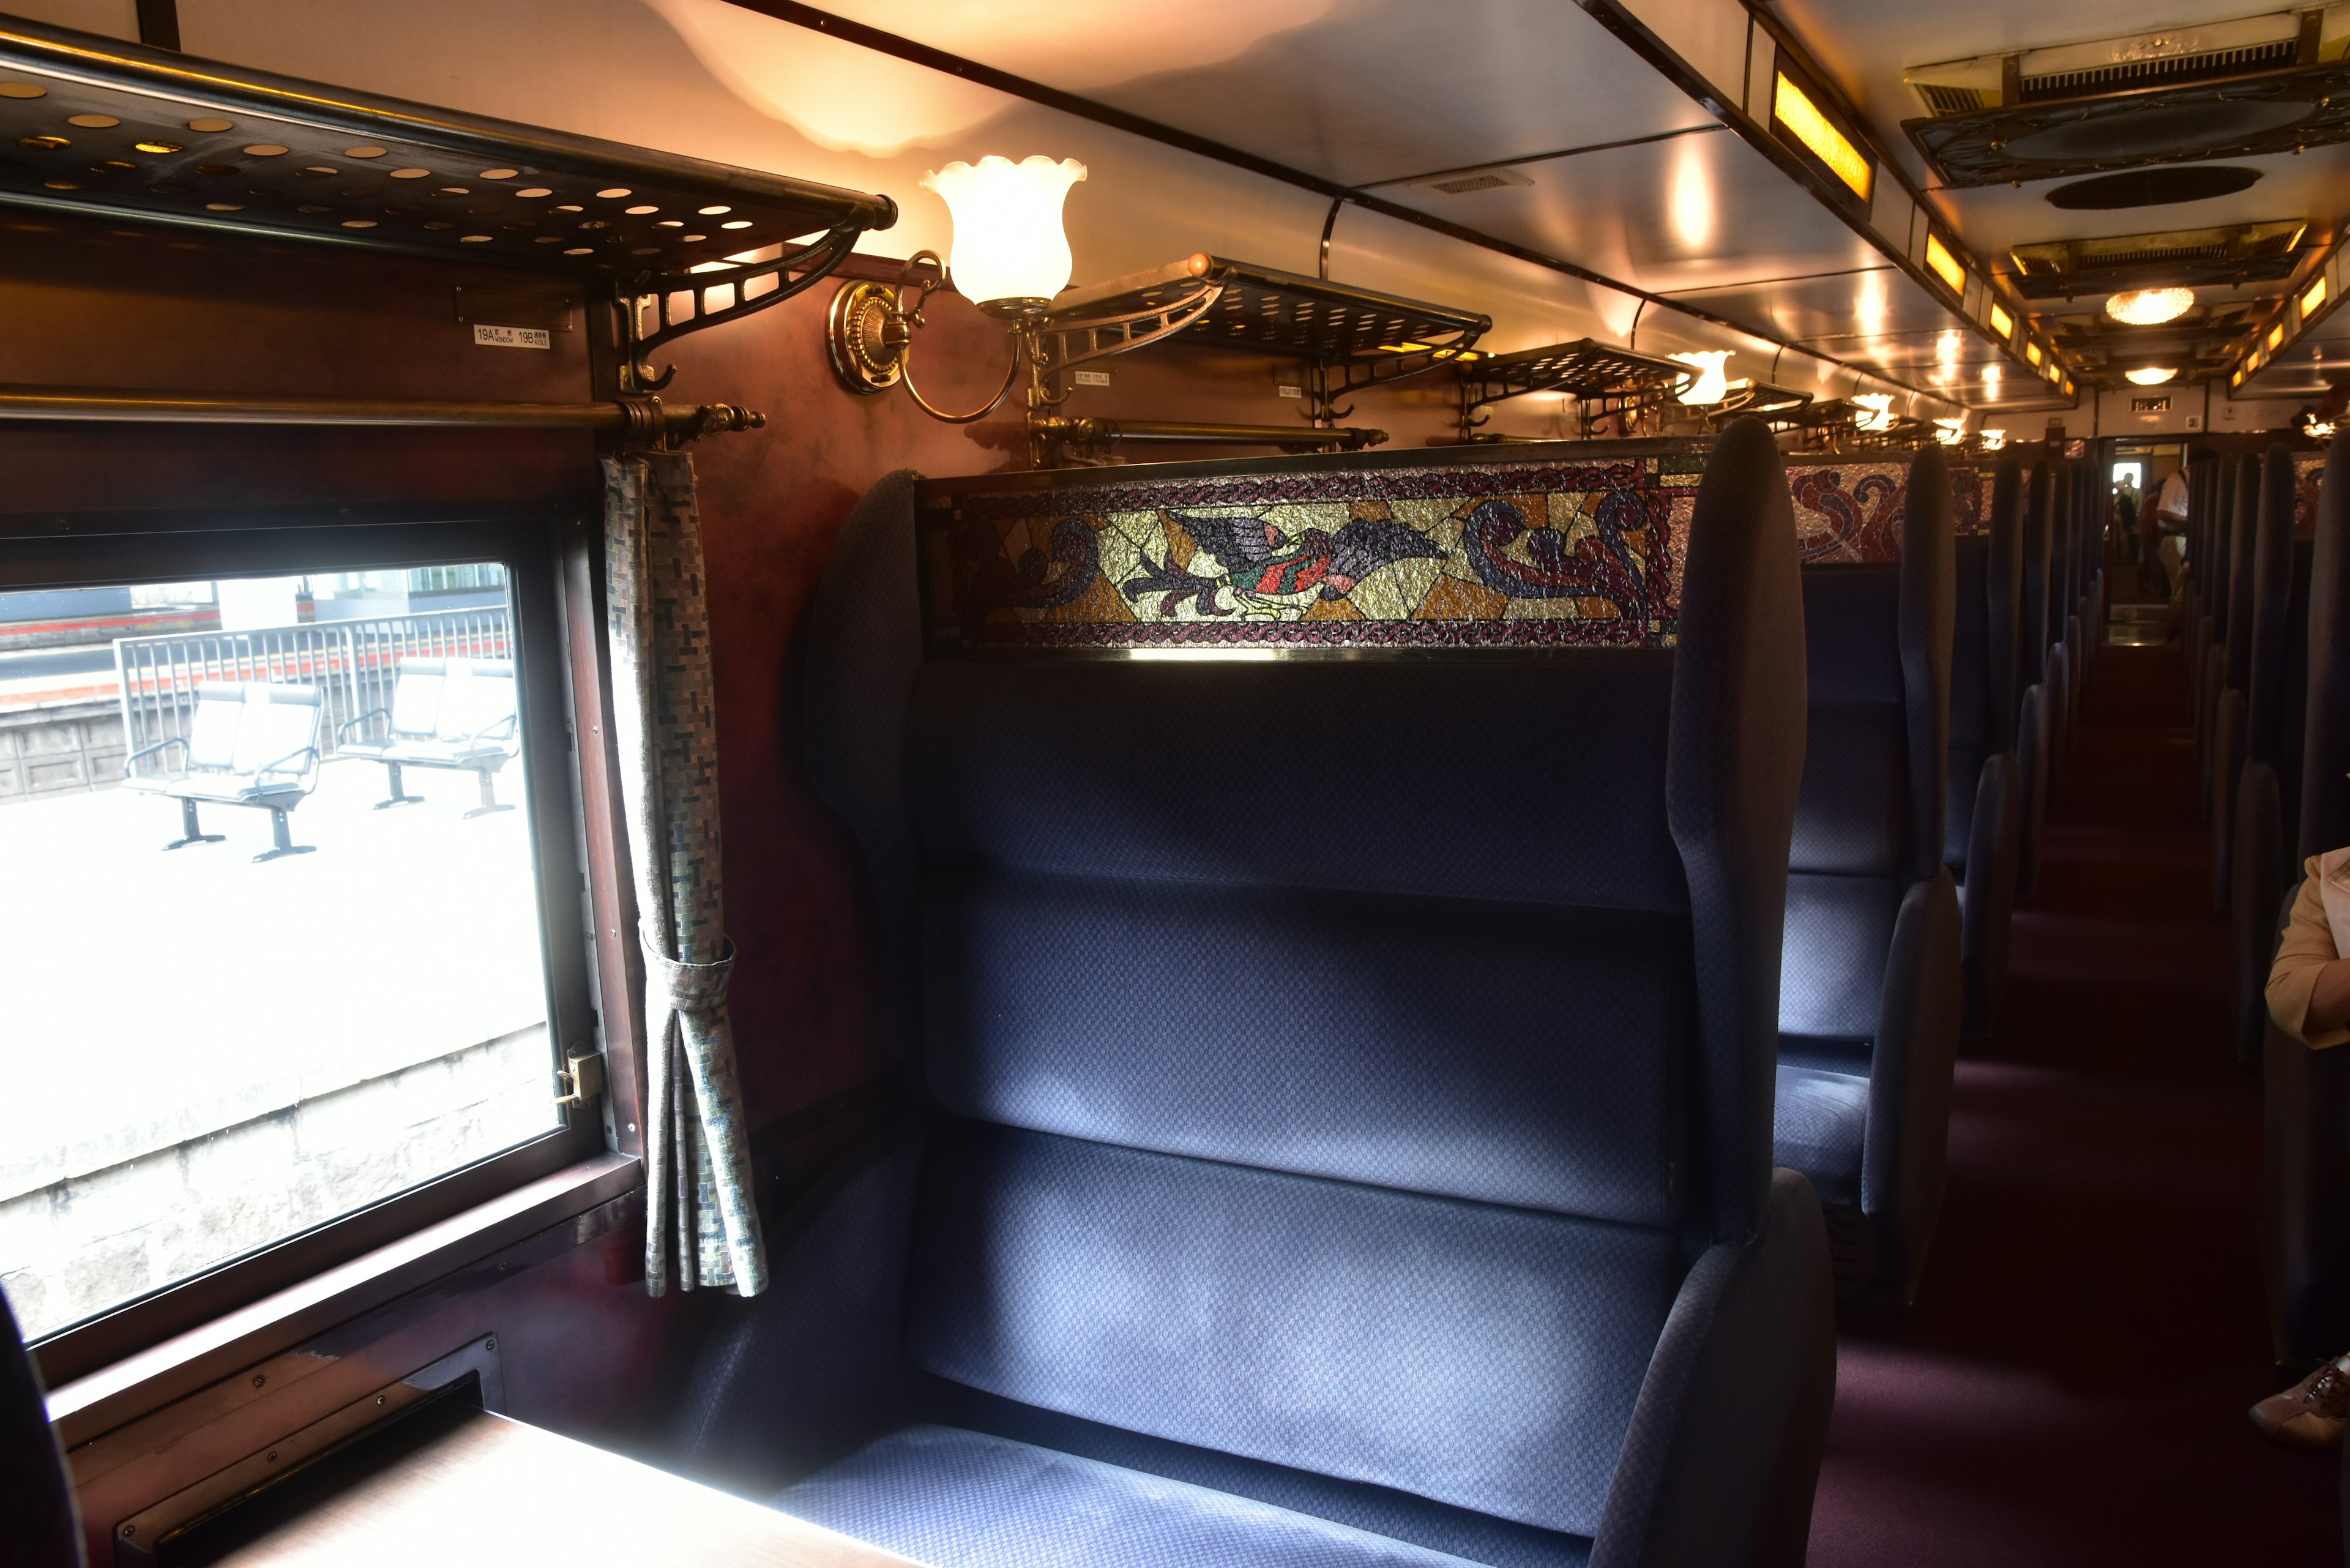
[700,1218]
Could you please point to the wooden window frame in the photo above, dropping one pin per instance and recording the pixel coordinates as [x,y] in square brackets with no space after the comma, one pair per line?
[553,556]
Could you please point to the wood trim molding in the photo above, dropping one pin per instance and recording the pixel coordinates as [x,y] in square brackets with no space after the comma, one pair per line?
[149,1379]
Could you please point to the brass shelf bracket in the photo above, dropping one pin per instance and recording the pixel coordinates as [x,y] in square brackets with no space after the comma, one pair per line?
[659,311]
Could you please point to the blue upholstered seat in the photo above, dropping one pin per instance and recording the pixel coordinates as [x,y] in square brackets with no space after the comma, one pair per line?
[959,1499]
[1871,988]
[1344,1098]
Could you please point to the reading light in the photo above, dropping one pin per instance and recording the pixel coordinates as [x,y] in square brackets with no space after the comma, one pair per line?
[2151,376]
[2150,306]
[1992,439]
[1950,432]
[2312,296]
[1794,108]
[1880,411]
[1712,385]
[1944,265]
[2002,325]
[1010,257]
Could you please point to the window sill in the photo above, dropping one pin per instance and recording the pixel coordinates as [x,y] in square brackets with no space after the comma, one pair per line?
[143,1382]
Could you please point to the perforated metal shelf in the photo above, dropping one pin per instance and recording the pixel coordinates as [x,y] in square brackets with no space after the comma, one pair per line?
[1352,336]
[1585,368]
[94,125]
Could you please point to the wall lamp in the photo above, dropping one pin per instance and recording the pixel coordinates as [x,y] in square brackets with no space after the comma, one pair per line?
[1010,257]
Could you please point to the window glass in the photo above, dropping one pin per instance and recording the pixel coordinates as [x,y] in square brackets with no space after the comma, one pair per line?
[270,939]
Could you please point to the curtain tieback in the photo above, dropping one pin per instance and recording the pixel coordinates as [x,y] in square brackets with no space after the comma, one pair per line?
[686,987]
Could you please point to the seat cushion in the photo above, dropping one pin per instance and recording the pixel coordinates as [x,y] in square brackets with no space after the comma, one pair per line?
[965,1499]
[1821,1119]
[1476,1356]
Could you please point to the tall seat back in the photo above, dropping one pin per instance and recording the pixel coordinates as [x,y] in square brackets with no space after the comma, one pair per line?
[2243,525]
[1872,820]
[2222,502]
[2279,643]
[1987,577]
[2039,607]
[1339,1062]
[2323,818]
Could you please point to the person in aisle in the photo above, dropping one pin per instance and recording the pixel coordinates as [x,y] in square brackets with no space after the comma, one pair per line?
[2170,520]
[2308,998]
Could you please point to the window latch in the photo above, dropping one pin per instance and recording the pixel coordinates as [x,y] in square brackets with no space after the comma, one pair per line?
[581,1078]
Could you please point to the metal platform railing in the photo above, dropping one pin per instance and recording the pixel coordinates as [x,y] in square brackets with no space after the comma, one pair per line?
[355,663]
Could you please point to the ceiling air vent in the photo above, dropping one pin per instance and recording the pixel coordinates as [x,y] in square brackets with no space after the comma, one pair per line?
[2265,84]
[2239,253]
[1465,182]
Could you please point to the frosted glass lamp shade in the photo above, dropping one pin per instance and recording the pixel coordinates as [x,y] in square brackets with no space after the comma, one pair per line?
[1009,253]
[1879,416]
[1712,385]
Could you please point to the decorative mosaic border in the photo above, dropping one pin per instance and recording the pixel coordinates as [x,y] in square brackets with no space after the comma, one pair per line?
[1853,509]
[1500,554]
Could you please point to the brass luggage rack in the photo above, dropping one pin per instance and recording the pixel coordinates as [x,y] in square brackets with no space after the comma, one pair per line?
[111,128]
[1348,339]
[1604,380]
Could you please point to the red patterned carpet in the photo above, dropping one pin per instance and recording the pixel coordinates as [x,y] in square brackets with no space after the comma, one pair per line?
[2070,1388]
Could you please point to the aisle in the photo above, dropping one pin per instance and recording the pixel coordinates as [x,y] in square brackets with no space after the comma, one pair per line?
[2070,1387]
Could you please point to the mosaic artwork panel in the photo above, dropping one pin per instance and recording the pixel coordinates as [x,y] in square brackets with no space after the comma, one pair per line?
[1459,555]
[1853,511]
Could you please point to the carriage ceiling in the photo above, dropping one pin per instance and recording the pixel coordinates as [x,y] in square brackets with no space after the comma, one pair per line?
[1867,46]
[1610,163]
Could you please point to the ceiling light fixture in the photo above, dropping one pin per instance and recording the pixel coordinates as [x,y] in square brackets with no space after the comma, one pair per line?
[2002,325]
[1944,265]
[2312,297]
[1950,432]
[1711,384]
[2276,337]
[1992,439]
[1880,411]
[1794,108]
[2152,376]
[2150,306]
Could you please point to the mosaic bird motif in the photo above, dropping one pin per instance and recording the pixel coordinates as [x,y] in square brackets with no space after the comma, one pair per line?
[1261,562]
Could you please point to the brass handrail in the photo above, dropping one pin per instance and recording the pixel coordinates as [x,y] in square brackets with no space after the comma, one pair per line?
[644,418]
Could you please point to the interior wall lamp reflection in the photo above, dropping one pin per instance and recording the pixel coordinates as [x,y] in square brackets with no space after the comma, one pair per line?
[1010,255]
[1712,385]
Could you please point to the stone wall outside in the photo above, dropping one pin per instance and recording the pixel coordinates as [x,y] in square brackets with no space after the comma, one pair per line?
[65,748]
[92,1240]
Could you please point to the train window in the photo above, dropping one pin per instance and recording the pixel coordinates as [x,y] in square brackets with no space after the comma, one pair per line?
[277,928]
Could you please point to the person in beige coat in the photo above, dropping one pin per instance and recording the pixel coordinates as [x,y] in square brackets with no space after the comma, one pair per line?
[2308,998]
